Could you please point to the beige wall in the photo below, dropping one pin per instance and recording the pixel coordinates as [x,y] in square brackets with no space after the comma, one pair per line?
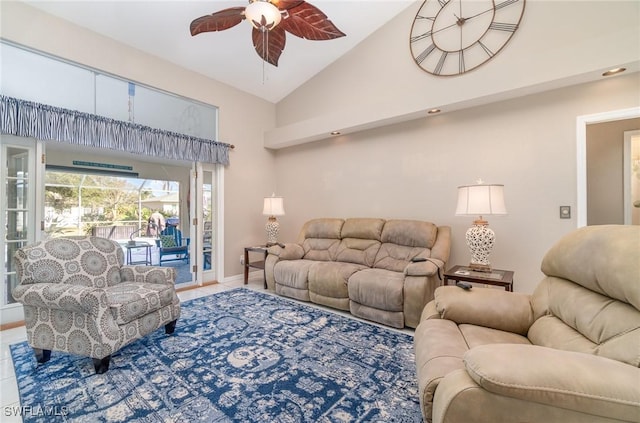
[412,169]
[559,43]
[605,194]
[249,177]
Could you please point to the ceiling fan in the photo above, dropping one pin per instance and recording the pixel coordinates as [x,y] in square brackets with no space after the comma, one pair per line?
[271,19]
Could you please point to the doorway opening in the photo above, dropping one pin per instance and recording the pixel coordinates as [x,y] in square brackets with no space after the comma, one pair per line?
[581,150]
[140,214]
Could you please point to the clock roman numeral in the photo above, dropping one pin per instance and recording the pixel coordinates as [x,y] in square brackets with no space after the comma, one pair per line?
[443,2]
[425,53]
[429,18]
[461,66]
[505,4]
[440,64]
[486,49]
[421,36]
[499,26]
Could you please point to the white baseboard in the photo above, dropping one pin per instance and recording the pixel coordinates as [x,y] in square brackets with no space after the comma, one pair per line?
[258,274]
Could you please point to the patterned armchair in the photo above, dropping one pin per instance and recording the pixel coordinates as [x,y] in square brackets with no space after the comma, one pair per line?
[80,298]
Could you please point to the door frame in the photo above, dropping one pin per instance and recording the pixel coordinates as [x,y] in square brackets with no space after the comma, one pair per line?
[12,313]
[627,172]
[581,152]
[197,225]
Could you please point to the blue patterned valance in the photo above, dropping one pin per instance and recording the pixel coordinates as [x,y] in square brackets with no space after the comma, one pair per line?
[29,119]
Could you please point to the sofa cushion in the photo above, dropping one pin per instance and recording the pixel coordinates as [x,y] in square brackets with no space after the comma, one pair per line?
[377,288]
[440,346]
[396,257]
[363,228]
[585,321]
[411,233]
[168,241]
[479,335]
[359,251]
[321,228]
[75,260]
[329,279]
[561,379]
[320,249]
[585,258]
[131,300]
[293,273]
[486,307]
[320,239]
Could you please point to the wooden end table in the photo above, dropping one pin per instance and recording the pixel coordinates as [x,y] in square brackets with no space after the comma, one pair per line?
[496,277]
[259,264]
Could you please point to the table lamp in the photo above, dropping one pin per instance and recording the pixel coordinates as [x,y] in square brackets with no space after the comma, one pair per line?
[480,200]
[273,206]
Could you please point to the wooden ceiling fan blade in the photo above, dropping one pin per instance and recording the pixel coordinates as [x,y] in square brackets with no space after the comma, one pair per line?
[269,44]
[218,21]
[309,22]
[286,4]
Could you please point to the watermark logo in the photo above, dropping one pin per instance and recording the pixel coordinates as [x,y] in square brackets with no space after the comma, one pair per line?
[35,411]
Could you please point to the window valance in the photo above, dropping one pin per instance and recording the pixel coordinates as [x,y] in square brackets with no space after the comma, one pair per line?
[30,119]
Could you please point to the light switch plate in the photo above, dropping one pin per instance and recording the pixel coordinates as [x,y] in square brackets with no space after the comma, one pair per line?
[565,212]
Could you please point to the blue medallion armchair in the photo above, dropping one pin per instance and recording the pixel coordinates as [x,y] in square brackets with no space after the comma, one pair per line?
[80,298]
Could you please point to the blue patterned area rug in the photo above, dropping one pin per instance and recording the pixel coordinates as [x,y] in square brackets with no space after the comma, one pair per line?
[236,356]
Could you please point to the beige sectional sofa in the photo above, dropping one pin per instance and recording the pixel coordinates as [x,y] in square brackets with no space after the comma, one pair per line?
[569,352]
[380,270]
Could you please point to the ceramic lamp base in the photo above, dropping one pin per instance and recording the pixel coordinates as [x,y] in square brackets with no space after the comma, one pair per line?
[480,240]
[272,228]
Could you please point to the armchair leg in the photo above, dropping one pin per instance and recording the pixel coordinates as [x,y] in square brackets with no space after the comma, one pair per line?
[42,356]
[101,364]
[170,327]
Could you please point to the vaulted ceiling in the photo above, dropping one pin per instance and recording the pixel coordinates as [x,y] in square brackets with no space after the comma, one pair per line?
[161,28]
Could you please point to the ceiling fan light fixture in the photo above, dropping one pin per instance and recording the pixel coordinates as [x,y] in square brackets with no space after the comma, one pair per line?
[263,15]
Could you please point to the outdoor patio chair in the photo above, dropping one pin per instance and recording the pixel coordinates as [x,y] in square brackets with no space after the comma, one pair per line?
[171,244]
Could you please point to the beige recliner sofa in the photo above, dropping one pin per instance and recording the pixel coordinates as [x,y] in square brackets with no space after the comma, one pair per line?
[567,353]
[380,270]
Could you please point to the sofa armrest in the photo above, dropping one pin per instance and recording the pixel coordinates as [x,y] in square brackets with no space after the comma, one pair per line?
[73,298]
[290,251]
[442,248]
[148,274]
[429,312]
[430,267]
[565,379]
[492,308]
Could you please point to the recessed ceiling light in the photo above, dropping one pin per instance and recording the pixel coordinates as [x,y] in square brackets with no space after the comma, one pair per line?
[335,133]
[433,111]
[614,71]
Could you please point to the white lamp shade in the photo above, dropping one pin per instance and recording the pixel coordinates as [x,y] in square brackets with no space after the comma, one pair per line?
[479,200]
[273,206]
[262,15]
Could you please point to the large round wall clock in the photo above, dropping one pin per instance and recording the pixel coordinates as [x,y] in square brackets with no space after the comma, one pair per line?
[455,36]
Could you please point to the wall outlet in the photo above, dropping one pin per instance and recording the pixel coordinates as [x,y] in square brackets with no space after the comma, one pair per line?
[242,259]
[565,212]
